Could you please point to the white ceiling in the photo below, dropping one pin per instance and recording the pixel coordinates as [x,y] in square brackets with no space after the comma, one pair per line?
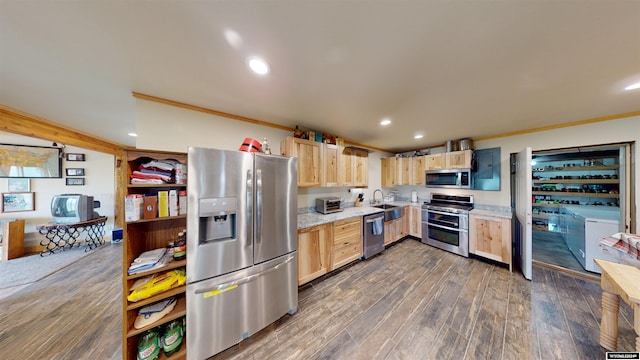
[447,69]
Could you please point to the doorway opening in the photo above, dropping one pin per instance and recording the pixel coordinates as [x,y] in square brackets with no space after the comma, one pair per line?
[579,196]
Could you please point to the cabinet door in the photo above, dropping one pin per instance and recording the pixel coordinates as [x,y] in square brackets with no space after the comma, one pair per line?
[347,242]
[388,169]
[404,171]
[417,170]
[330,165]
[346,165]
[434,162]
[490,237]
[309,154]
[313,252]
[405,222]
[361,168]
[415,226]
[458,159]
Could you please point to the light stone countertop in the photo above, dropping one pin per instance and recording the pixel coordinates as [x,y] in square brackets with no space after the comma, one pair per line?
[503,212]
[310,219]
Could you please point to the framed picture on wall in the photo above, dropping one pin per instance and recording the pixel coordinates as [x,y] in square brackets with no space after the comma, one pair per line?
[75,157]
[24,161]
[18,185]
[75,172]
[75,181]
[18,201]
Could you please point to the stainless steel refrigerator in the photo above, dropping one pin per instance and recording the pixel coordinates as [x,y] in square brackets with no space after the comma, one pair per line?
[242,261]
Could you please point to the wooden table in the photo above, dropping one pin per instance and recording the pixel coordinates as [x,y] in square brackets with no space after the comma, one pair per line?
[59,237]
[618,281]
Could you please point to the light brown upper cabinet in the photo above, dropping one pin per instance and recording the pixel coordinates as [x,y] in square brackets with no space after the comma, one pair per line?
[434,162]
[360,167]
[458,159]
[417,170]
[353,167]
[388,172]
[404,171]
[330,164]
[309,154]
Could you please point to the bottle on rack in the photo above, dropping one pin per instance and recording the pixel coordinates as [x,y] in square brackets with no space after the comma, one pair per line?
[265,147]
[149,345]
[172,337]
[180,246]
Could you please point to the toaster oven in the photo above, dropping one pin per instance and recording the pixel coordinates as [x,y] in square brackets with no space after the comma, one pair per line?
[328,205]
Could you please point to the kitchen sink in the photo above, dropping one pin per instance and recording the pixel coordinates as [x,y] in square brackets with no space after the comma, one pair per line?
[391,212]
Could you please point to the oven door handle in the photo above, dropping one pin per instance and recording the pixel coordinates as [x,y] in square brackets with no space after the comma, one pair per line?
[444,213]
[446,227]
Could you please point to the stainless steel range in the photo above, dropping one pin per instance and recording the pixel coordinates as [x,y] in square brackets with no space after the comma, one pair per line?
[445,222]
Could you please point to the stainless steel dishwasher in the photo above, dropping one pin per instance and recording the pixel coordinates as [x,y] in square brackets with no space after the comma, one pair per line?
[373,232]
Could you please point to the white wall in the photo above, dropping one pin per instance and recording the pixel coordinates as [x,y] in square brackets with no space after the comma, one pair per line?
[164,127]
[99,182]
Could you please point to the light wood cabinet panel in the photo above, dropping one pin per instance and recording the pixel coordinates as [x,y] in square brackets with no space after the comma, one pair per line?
[490,237]
[314,252]
[458,159]
[347,242]
[346,167]
[330,168]
[415,226]
[361,168]
[434,162]
[406,222]
[388,169]
[309,154]
[417,170]
[404,171]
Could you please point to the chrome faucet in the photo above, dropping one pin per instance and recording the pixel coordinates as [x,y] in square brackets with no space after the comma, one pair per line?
[374,195]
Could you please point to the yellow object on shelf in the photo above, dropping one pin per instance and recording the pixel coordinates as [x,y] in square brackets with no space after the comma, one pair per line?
[157,284]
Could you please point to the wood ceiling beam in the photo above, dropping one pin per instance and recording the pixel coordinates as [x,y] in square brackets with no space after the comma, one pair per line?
[21,123]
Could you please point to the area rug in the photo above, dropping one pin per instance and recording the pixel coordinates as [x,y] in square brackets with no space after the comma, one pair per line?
[33,267]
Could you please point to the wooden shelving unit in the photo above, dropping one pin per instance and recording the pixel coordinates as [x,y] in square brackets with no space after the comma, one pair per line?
[149,234]
[580,179]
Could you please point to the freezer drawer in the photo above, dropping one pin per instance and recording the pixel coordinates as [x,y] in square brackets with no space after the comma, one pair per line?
[223,311]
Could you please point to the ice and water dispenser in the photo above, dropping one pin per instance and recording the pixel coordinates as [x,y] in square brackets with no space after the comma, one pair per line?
[217,219]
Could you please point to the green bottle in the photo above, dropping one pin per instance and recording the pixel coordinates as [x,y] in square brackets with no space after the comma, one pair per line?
[172,337]
[149,345]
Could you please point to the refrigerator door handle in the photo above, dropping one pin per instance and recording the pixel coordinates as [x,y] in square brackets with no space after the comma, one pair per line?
[249,202]
[245,280]
[258,227]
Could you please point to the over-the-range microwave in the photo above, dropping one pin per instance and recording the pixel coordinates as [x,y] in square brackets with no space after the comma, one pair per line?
[448,178]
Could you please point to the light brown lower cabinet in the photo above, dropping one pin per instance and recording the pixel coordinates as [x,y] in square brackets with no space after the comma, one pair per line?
[313,252]
[395,230]
[415,221]
[347,242]
[490,237]
[326,247]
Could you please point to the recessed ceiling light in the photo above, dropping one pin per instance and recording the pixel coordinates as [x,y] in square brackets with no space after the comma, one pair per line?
[258,65]
[633,86]
[418,136]
[132,134]
[385,122]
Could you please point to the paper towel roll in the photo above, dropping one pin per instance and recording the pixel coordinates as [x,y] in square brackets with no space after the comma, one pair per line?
[356,191]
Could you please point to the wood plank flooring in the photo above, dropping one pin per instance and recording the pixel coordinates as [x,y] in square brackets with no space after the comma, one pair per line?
[411,302]
[74,313]
[417,302]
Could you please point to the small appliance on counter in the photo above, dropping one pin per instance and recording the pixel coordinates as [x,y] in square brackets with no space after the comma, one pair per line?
[328,205]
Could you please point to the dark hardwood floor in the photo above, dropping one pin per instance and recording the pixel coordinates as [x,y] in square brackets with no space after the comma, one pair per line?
[411,302]
[417,302]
